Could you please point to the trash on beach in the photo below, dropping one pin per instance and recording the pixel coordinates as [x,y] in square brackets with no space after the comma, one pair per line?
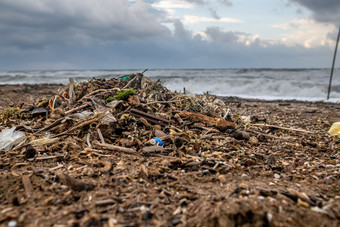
[131,152]
[335,129]
[10,137]
[156,141]
[81,115]
[40,112]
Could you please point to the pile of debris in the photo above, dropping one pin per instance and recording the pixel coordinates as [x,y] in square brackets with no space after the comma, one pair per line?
[128,151]
[130,114]
[133,115]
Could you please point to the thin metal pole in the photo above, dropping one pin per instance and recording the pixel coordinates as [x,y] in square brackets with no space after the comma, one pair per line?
[330,79]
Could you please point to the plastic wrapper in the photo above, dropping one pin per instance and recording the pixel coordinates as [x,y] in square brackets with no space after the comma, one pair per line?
[9,138]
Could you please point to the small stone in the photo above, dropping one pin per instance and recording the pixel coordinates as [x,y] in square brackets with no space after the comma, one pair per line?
[244,176]
[302,203]
[178,141]
[230,130]
[243,185]
[271,161]
[183,202]
[12,223]
[176,221]
[277,176]
[205,171]
[222,179]
[147,215]
[303,196]
[79,215]
[253,140]
[269,216]
[195,167]
[165,162]
[30,152]
[261,137]
[241,135]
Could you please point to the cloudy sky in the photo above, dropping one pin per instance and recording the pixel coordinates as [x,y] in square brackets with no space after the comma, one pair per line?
[138,34]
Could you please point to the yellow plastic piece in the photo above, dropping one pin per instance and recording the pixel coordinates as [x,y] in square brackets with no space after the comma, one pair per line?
[335,129]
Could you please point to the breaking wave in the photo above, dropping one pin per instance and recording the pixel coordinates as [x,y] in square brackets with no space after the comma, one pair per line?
[299,84]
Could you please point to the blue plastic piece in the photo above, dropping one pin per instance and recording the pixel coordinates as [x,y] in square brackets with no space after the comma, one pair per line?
[158,141]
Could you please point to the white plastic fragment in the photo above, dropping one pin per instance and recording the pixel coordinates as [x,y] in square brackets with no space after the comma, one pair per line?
[245,119]
[12,223]
[9,138]
[81,115]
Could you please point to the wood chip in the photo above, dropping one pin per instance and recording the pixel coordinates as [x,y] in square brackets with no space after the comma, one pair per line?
[75,184]
[27,185]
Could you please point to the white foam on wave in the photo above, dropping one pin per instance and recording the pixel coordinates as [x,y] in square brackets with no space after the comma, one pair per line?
[284,85]
[299,84]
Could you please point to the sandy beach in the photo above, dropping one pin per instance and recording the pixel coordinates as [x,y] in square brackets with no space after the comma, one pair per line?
[197,113]
[286,173]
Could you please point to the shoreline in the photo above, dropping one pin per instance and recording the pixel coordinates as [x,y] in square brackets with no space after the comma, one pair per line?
[29,93]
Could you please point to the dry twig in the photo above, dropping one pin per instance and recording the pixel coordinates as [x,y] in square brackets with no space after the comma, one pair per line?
[284,128]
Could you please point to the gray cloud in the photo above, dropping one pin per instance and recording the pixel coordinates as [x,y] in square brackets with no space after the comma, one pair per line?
[323,10]
[125,34]
[196,1]
[213,13]
[180,30]
[32,24]
[173,52]
[216,34]
[202,2]
[226,2]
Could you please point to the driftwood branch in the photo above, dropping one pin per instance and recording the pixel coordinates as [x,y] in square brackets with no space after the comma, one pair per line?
[100,90]
[149,117]
[116,148]
[57,122]
[100,135]
[14,102]
[163,102]
[77,108]
[88,140]
[71,94]
[284,128]
[218,123]
[45,157]
[80,125]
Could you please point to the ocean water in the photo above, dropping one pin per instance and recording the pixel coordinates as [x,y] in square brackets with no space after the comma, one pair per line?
[270,84]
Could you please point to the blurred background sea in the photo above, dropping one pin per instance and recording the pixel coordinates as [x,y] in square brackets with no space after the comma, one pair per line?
[269,84]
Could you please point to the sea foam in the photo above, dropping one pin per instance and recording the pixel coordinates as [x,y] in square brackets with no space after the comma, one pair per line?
[299,84]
